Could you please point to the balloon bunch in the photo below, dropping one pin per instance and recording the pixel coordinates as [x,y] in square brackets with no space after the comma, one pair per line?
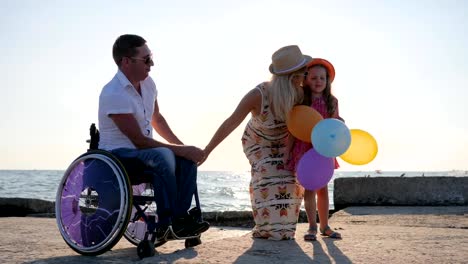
[330,138]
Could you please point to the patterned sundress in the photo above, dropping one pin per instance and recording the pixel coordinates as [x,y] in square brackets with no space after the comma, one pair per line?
[275,193]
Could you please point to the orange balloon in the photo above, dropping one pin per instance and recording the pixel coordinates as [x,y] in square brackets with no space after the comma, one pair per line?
[301,120]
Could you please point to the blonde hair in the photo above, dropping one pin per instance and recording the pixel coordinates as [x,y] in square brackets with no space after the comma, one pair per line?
[283,95]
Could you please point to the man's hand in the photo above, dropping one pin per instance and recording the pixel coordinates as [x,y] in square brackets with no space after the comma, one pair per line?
[192,153]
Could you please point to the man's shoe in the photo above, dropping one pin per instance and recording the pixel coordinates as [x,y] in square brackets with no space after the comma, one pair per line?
[195,215]
[185,227]
[201,227]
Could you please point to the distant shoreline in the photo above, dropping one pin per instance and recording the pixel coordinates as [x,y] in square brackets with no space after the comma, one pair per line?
[347,191]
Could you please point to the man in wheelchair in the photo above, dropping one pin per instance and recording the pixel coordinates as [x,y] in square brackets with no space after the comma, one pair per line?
[128,112]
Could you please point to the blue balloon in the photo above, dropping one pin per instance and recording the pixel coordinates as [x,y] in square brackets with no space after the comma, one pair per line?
[331,137]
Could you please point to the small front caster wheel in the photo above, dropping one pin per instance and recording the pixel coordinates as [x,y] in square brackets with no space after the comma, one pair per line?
[145,249]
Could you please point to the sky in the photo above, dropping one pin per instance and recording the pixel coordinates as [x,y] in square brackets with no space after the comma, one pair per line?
[401,72]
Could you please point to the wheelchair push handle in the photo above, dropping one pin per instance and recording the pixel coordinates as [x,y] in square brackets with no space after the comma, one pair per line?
[94,140]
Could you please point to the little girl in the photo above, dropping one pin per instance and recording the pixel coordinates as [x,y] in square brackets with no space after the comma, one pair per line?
[317,93]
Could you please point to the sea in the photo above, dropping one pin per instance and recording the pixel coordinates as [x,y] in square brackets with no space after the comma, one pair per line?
[218,190]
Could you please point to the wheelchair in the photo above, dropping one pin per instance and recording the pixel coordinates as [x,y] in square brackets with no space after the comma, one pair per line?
[94,205]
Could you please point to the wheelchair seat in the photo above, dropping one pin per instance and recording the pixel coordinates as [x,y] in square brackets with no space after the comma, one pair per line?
[135,168]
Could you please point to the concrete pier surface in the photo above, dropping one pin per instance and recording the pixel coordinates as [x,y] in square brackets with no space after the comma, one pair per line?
[378,234]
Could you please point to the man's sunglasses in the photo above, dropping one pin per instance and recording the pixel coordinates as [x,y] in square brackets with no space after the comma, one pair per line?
[148,60]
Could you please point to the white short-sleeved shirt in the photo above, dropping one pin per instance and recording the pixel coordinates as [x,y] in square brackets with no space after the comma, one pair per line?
[120,97]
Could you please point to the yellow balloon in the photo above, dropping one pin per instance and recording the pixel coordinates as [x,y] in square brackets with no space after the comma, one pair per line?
[301,120]
[362,150]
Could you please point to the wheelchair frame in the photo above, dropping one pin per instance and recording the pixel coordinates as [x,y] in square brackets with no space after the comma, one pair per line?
[91,222]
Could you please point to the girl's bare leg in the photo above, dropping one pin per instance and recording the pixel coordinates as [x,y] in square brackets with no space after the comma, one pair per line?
[323,211]
[311,211]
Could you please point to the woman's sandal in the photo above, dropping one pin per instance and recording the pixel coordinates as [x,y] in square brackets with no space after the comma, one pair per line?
[327,231]
[311,234]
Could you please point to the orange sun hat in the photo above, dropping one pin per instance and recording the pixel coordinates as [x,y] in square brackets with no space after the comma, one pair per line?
[326,64]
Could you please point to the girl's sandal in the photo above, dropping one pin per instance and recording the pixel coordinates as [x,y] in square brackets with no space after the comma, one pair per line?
[311,234]
[327,231]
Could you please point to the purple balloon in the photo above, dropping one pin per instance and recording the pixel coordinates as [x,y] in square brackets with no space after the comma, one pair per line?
[314,170]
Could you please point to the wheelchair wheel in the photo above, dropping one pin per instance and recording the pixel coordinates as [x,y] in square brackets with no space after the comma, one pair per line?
[192,242]
[93,203]
[145,249]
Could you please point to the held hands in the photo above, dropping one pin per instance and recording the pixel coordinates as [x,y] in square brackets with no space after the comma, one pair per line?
[207,153]
[192,153]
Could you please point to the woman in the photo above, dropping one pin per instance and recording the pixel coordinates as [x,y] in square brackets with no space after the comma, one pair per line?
[275,193]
